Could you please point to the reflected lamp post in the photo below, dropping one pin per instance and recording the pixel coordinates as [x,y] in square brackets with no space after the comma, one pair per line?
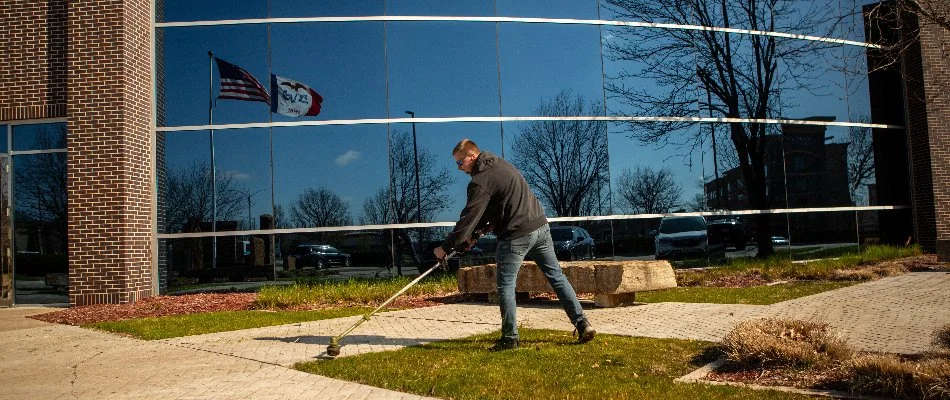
[415,156]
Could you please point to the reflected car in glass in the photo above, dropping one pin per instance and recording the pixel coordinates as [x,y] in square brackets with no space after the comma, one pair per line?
[319,256]
[572,243]
[779,241]
[683,238]
[732,231]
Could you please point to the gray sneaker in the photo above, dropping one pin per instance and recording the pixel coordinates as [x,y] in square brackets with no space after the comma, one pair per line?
[584,331]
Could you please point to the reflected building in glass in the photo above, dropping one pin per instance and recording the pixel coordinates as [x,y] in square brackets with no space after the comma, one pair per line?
[166,182]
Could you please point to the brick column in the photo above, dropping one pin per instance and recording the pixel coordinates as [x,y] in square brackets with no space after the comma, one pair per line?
[110,165]
[935,60]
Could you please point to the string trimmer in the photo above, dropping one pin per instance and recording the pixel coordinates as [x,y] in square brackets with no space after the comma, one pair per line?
[333,349]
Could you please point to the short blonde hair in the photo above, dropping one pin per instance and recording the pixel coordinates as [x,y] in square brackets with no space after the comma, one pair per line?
[466,146]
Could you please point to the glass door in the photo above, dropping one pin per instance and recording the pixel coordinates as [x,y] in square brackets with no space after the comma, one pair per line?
[6,248]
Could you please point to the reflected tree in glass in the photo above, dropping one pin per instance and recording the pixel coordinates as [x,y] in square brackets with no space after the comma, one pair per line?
[860,162]
[320,207]
[188,192]
[398,203]
[565,162]
[893,16]
[648,191]
[738,74]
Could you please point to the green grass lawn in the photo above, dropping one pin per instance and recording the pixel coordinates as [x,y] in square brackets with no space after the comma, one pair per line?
[547,366]
[760,295]
[197,324]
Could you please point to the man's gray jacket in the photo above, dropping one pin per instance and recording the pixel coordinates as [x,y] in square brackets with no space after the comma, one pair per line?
[498,195]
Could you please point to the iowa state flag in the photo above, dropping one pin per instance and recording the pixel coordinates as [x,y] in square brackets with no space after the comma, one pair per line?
[292,98]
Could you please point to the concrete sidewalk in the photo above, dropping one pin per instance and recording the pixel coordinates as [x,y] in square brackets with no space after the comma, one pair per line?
[40,360]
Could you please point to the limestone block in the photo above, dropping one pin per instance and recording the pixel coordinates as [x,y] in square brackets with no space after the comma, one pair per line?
[604,277]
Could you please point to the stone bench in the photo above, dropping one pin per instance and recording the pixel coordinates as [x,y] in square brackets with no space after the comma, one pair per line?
[613,283]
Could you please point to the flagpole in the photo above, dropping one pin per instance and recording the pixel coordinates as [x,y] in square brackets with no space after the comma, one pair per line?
[270,130]
[214,190]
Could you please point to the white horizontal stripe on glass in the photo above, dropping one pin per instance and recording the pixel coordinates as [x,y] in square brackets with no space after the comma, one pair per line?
[396,18]
[371,121]
[557,219]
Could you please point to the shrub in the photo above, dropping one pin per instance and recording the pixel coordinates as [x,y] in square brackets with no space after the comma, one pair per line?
[791,343]
[942,338]
[888,375]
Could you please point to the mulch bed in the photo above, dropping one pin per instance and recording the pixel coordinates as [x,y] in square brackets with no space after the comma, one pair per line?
[161,306]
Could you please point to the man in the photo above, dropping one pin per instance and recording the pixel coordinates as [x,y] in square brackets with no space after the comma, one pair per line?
[499,195]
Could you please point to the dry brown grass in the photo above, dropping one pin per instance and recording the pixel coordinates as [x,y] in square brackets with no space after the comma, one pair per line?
[942,338]
[772,342]
[888,375]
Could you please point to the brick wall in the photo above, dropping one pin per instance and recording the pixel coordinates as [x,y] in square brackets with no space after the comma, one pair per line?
[33,70]
[918,136]
[110,172]
[935,62]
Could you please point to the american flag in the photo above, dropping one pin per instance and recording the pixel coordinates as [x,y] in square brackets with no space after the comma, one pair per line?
[238,84]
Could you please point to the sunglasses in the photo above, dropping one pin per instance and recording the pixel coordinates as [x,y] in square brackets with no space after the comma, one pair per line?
[462,161]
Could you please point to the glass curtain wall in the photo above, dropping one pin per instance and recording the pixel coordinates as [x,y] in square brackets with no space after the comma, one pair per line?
[604,115]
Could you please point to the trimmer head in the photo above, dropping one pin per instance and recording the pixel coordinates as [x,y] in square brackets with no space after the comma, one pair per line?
[333,349]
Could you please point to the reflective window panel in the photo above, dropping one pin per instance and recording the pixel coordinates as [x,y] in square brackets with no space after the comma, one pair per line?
[330,175]
[39,214]
[39,136]
[306,8]
[727,185]
[891,180]
[193,82]
[240,258]
[656,177]
[342,62]
[888,227]
[4,131]
[828,166]
[442,185]
[573,9]
[651,72]
[813,82]
[187,194]
[209,10]
[654,11]
[822,234]
[740,82]
[565,162]
[821,18]
[577,240]
[478,8]
[627,239]
[439,69]
[542,63]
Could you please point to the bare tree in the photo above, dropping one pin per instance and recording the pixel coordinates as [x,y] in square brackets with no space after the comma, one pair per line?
[648,191]
[737,75]
[188,196]
[860,162]
[697,203]
[564,161]
[320,207]
[376,210]
[397,203]
[280,217]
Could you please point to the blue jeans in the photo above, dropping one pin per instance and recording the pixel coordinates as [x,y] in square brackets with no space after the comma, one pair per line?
[509,256]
